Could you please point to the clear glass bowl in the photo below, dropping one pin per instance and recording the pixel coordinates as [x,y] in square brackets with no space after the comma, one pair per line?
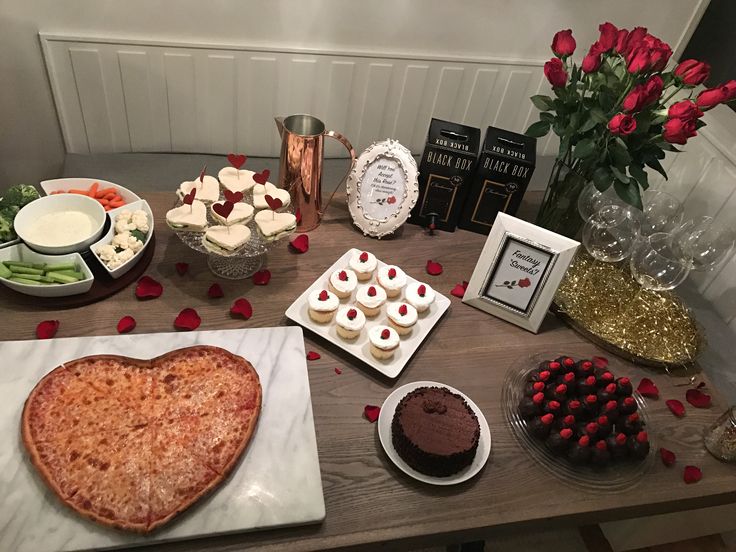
[616,477]
[244,261]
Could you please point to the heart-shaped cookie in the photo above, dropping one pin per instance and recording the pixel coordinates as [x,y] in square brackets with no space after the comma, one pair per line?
[236,180]
[225,239]
[242,213]
[189,218]
[274,226]
[261,190]
[208,190]
[132,443]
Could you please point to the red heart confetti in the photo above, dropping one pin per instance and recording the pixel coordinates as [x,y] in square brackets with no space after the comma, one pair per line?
[676,407]
[372,291]
[215,291]
[273,202]
[148,288]
[433,268]
[242,307]
[298,215]
[47,329]
[181,268]
[202,174]
[385,334]
[189,198]
[233,197]
[647,388]
[668,457]
[422,290]
[459,290]
[697,398]
[126,324]
[262,177]
[300,244]
[313,355]
[323,295]
[600,362]
[338,371]
[187,320]
[223,209]
[371,412]
[262,277]
[692,474]
[237,160]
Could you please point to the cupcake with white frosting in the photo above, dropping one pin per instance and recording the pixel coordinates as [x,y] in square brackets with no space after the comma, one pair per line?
[322,305]
[401,317]
[343,282]
[350,322]
[420,296]
[392,279]
[369,299]
[384,341]
[363,264]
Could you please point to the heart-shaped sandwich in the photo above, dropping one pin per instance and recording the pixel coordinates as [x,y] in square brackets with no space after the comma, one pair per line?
[242,213]
[188,218]
[208,189]
[132,443]
[261,190]
[225,239]
[274,226]
[236,180]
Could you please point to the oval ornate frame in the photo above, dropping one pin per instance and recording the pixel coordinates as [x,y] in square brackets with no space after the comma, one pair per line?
[390,149]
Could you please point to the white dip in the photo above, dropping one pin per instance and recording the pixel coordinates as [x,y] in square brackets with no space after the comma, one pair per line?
[61,228]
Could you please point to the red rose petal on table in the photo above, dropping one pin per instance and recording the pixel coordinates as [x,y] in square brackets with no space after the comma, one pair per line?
[242,307]
[459,290]
[236,160]
[298,215]
[262,277]
[676,407]
[215,291]
[692,474]
[187,320]
[433,268]
[182,268]
[647,388]
[371,412]
[47,329]
[126,324]
[600,362]
[300,244]
[338,371]
[697,398]
[148,288]
[313,355]
[668,457]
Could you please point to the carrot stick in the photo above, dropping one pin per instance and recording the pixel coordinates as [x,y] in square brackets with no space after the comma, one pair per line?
[110,196]
[104,201]
[76,191]
[93,189]
[107,208]
[103,193]
[115,205]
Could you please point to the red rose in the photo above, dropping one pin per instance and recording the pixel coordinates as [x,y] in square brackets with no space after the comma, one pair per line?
[659,52]
[692,71]
[555,73]
[609,35]
[731,87]
[653,89]
[622,124]
[391,200]
[525,282]
[634,100]
[685,110]
[638,60]
[634,40]
[621,37]
[563,43]
[677,131]
[593,60]
[712,97]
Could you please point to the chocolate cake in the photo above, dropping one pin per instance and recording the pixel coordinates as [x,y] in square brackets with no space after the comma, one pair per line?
[435,431]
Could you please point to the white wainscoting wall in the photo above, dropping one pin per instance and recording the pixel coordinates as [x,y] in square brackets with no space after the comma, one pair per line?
[131,95]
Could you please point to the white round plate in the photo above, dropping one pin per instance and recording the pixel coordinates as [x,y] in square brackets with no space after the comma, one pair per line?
[384,433]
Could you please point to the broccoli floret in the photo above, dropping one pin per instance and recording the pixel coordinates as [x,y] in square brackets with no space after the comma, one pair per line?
[6,229]
[19,195]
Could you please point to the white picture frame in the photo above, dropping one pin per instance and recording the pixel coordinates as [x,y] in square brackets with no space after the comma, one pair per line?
[518,272]
[382,188]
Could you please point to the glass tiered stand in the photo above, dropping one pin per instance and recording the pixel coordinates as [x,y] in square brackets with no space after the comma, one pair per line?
[242,262]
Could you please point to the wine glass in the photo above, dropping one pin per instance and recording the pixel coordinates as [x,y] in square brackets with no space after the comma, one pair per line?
[662,212]
[658,264]
[706,242]
[610,233]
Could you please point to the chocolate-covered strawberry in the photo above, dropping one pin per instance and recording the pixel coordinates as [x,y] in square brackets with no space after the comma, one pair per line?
[555,368]
[617,444]
[568,379]
[624,388]
[541,425]
[574,407]
[580,451]
[605,427]
[600,456]
[606,378]
[607,393]
[584,368]
[559,442]
[532,388]
[531,406]
[553,407]
[627,406]
[567,421]
[543,376]
[638,445]
[590,429]
[568,364]
[591,405]
[586,386]
[610,410]
[559,393]
[631,424]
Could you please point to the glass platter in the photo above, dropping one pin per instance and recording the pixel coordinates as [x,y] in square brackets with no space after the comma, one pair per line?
[618,476]
[242,262]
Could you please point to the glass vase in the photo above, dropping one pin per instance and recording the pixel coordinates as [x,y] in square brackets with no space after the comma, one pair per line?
[559,210]
[720,439]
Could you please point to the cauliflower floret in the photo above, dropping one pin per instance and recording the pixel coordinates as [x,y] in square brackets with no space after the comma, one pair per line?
[106,252]
[123,226]
[134,244]
[140,220]
[124,255]
[121,240]
[123,215]
[114,263]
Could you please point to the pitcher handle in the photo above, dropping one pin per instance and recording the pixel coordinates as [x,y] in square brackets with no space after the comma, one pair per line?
[345,142]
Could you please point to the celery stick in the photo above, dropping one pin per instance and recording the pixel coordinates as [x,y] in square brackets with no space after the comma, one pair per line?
[73,273]
[36,277]
[42,266]
[61,278]
[61,266]
[5,271]
[25,270]
[19,280]
[46,280]
[17,263]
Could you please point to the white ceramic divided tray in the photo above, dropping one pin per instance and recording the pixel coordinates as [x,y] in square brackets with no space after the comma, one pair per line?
[276,483]
[360,347]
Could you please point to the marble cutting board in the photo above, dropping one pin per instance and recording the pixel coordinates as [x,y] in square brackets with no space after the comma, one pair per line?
[277,483]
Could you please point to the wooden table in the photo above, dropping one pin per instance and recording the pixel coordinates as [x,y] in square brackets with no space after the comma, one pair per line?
[368,500]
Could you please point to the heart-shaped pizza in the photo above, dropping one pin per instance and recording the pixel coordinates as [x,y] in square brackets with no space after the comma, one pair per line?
[261,190]
[132,443]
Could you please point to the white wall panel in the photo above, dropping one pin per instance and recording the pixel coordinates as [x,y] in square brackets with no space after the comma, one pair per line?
[90,91]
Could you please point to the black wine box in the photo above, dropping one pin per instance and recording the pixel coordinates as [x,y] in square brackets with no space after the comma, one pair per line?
[445,172]
[503,172]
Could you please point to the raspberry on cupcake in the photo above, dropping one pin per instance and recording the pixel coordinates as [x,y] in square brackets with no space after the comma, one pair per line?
[419,295]
[401,317]
[350,322]
[322,305]
[369,299]
[363,264]
[384,341]
[342,283]
[392,279]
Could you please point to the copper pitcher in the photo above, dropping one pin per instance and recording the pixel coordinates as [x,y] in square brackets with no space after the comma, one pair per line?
[300,166]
